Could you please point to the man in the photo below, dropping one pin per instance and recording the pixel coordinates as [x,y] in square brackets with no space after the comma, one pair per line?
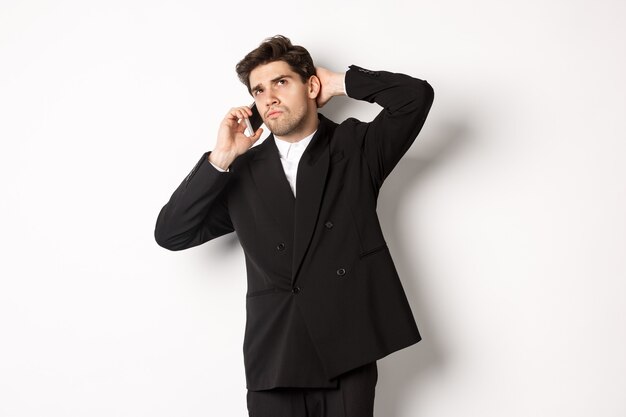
[324,300]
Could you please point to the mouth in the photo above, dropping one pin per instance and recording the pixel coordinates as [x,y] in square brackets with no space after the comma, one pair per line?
[274,113]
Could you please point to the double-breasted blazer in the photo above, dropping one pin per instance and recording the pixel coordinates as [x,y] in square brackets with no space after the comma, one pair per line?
[323,295]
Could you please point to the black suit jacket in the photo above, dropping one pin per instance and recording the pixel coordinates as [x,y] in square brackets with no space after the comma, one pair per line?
[323,294]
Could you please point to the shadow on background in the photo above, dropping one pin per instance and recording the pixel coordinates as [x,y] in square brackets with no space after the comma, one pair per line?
[404,373]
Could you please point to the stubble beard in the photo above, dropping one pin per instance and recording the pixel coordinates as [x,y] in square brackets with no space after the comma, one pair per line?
[286,123]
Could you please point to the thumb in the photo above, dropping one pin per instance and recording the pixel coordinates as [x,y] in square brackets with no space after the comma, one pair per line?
[257,135]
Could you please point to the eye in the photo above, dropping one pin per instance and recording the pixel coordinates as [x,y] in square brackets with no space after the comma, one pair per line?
[282,81]
[257,92]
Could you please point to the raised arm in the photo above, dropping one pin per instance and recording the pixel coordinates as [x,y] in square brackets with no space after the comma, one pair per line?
[406,102]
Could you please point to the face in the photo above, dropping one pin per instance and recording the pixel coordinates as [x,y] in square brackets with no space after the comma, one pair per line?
[287,105]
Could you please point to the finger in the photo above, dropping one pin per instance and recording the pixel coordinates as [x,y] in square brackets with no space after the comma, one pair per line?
[239,113]
[241,126]
[245,110]
[232,114]
[257,135]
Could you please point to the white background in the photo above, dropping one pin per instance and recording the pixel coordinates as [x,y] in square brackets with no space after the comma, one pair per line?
[506,218]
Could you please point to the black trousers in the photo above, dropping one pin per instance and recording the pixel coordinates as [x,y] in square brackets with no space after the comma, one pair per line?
[353,397]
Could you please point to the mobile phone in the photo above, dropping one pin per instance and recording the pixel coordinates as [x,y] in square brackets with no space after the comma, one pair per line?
[255,121]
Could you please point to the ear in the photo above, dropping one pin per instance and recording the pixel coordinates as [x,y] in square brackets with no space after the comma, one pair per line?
[313,87]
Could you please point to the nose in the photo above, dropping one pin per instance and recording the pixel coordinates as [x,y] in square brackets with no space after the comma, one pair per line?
[270,98]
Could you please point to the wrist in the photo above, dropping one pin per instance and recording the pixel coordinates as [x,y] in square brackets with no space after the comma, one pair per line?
[339,84]
[222,159]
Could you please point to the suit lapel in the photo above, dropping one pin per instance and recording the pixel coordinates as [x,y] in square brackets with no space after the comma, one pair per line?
[298,214]
[269,177]
[310,183]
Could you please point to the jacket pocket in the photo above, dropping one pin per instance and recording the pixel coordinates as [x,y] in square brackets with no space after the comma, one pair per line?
[373,251]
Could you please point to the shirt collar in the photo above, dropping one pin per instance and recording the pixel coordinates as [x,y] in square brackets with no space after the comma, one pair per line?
[285,147]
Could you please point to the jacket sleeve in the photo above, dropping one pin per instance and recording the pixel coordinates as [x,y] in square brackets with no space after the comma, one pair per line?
[406,102]
[197,211]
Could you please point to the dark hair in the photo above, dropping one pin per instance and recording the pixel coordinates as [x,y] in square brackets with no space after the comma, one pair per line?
[276,48]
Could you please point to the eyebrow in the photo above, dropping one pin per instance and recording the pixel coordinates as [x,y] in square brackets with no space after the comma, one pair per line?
[259,85]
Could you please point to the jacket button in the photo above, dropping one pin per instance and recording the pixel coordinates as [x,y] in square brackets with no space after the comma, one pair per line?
[341,272]
[329,225]
[280,246]
[295,290]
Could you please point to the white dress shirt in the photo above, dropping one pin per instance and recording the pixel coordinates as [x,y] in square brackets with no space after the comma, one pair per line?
[290,154]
